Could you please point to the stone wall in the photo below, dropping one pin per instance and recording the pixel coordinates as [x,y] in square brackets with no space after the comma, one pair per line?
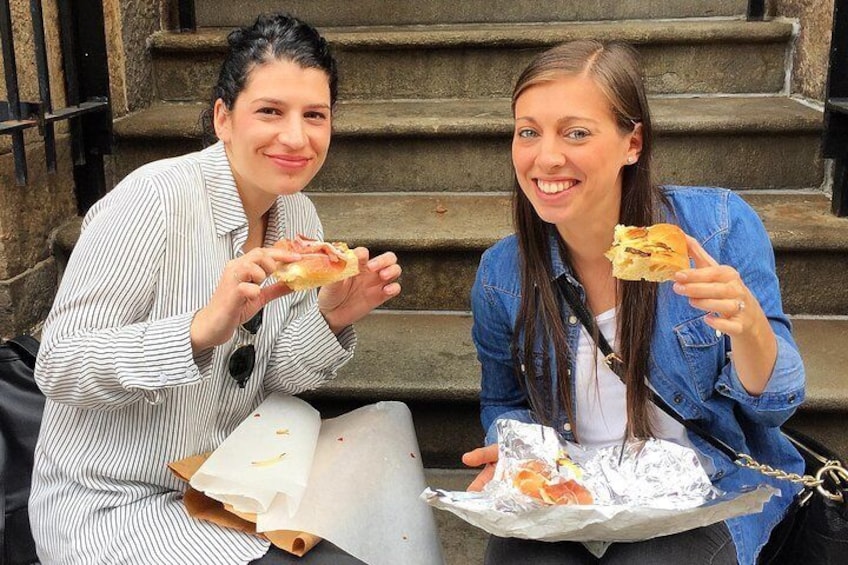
[811,50]
[129,23]
[28,217]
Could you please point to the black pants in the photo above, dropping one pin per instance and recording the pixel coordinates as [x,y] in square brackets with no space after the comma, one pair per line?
[711,545]
[324,553]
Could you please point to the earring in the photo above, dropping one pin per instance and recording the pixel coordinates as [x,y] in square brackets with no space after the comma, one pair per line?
[631,159]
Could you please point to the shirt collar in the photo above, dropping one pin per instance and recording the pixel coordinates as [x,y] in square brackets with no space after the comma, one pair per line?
[227,208]
[558,266]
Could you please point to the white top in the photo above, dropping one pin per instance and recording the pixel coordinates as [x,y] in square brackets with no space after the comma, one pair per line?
[125,395]
[601,396]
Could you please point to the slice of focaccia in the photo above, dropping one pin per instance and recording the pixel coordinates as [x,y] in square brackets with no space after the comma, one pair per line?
[652,253]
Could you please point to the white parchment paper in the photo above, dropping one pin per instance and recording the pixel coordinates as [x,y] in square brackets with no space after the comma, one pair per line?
[354,480]
[364,490]
[265,460]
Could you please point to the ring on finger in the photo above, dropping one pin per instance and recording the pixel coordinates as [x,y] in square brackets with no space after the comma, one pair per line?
[740,306]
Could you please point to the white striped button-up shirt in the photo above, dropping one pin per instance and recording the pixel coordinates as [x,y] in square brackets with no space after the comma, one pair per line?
[126,396]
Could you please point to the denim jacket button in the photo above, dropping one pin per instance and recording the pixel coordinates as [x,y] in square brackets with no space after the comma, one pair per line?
[791,398]
[678,398]
[718,333]
[719,474]
[572,320]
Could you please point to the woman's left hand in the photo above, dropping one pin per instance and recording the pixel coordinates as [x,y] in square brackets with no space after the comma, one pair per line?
[348,301]
[733,309]
[486,456]
[720,291]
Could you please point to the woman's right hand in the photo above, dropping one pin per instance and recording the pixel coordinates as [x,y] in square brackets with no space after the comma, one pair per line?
[487,456]
[239,296]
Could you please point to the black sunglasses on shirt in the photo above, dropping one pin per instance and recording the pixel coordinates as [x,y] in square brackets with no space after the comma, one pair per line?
[243,358]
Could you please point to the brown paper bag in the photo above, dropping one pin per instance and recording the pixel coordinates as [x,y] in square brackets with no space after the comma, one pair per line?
[202,507]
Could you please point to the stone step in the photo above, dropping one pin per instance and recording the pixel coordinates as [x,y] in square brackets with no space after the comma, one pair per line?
[483,60]
[428,361]
[462,543]
[439,238]
[737,142]
[218,13]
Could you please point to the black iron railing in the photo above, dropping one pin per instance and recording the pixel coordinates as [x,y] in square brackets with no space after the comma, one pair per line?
[187,18]
[756,9]
[835,142]
[86,74]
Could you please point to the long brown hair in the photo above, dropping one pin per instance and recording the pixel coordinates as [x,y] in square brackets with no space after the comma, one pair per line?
[615,69]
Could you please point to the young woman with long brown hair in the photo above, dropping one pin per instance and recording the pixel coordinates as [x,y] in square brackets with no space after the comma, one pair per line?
[714,343]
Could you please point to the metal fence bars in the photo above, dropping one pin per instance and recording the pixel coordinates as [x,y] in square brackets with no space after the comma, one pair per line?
[835,140]
[86,81]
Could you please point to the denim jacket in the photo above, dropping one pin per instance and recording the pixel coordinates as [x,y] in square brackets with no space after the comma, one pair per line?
[690,364]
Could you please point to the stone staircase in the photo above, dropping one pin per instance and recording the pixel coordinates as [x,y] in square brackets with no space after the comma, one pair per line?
[420,165]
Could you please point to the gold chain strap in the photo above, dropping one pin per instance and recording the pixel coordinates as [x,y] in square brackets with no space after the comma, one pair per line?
[834,467]
[748,462]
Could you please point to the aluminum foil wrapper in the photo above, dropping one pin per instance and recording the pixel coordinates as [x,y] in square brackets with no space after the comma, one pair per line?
[647,473]
[651,473]
[519,443]
[654,488]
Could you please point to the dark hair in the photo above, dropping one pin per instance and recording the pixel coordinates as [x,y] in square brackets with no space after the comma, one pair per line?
[615,69]
[272,37]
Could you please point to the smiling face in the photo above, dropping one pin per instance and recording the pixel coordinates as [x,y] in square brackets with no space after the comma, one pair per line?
[569,152]
[277,132]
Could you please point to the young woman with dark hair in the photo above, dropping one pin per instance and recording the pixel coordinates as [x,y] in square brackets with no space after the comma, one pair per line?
[714,343]
[167,330]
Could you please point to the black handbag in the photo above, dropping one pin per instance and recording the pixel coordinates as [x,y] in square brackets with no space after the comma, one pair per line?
[21,406]
[815,530]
